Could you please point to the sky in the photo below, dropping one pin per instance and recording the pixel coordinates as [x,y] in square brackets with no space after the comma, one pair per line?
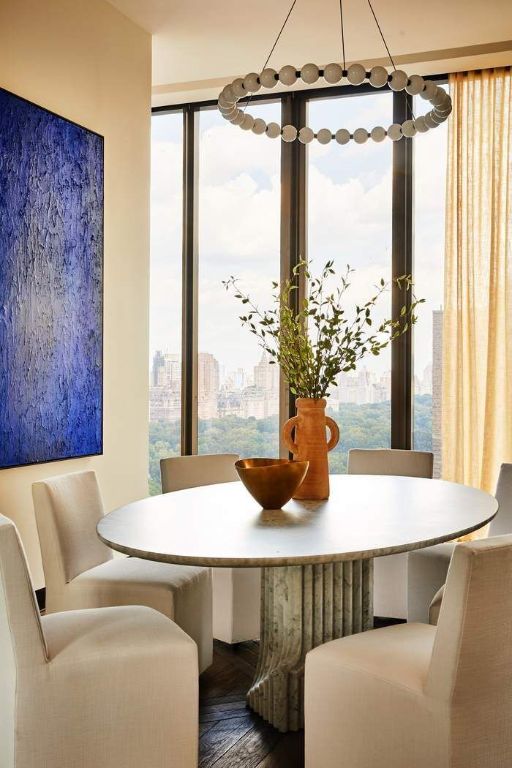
[349,220]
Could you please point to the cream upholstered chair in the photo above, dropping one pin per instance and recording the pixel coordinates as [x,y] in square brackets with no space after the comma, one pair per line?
[81,572]
[417,696]
[390,573]
[236,591]
[427,568]
[101,688]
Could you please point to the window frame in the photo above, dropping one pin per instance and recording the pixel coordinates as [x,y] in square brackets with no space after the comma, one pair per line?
[293,245]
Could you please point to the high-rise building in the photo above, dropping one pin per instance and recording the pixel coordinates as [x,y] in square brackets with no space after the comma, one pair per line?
[266,388]
[165,389]
[266,374]
[158,369]
[437,388]
[208,380]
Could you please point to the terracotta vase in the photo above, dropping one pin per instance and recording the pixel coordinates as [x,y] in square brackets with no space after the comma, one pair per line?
[309,443]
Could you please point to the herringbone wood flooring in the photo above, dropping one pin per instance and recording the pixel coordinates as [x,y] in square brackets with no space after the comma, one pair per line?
[231,735]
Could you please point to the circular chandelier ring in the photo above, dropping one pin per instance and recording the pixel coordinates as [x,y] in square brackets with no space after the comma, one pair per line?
[356,74]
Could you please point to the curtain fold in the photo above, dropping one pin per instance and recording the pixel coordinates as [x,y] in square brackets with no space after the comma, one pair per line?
[477,321]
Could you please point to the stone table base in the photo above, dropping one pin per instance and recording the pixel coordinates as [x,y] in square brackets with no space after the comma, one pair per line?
[302,607]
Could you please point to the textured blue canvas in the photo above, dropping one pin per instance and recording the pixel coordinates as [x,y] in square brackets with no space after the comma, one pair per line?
[51,286]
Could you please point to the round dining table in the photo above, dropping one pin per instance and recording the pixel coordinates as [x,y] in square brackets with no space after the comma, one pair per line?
[316,557]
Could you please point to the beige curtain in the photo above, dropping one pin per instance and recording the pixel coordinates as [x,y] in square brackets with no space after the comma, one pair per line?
[477,324]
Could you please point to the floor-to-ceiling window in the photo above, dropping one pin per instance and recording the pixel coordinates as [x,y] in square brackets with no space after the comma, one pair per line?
[239,225]
[224,395]
[165,292]
[430,157]
[349,222]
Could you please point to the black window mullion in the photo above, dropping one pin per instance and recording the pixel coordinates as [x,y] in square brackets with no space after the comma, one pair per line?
[293,220]
[189,281]
[402,264]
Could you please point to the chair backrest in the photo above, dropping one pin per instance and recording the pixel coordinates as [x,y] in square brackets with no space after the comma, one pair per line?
[390,461]
[22,643]
[471,666]
[68,508]
[21,633]
[502,523]
[181,472]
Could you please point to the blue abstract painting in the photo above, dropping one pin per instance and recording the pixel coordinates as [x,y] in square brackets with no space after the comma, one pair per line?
[51,286]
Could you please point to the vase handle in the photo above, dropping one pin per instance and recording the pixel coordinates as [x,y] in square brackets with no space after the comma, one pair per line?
[287,434]
[335,433]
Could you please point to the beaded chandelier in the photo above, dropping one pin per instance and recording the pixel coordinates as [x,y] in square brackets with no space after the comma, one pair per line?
[355,74]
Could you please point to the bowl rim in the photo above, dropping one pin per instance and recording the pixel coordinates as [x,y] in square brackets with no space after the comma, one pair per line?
[274,463]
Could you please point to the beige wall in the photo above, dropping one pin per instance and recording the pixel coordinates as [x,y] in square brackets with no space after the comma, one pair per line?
[87,62]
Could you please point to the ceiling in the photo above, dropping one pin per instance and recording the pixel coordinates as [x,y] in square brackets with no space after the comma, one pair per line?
[199,45]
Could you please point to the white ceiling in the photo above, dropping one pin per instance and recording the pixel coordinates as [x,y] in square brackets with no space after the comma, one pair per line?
[198,44]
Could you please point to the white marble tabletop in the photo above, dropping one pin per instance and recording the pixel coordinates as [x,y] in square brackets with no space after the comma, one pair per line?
[365,516]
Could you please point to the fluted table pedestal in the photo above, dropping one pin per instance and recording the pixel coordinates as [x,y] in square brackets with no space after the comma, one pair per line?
[302,607]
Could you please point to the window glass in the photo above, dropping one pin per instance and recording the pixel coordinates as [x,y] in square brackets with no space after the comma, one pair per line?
[430,158]
[165,287]
[239,234]
[349,221]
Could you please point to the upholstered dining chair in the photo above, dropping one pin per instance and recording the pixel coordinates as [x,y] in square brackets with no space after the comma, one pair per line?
[236,591]
[81,572]
[390,573]
[415,695]
[99,688]
[427,568]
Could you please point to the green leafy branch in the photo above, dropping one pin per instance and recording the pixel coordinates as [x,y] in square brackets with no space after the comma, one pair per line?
[313,340]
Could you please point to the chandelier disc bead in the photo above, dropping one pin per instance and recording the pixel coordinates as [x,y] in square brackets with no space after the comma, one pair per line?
[356,74]
[395,132]
[238,88]
[273,130]
[252,83]
[408,129]
[268,78]
[333,73]
[223,103]
[247,123]
[378,133]
[439,98]
[238,119]
[225,111]
[229,95]
[429,91]
[420,125]
[437,118]
[288,75]
[429,120]
[259,126]
[342,136]
[324,136]
[306,135]
[289,133]
[378,77]
[361,136]
[310,73]
[415,85]
[399,80]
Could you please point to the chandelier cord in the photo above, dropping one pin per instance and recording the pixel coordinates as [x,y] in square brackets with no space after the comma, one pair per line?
[381,34]
[274,46]
[408,106]
[342,35]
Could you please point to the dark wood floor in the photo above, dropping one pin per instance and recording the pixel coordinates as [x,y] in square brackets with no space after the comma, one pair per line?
[231,735]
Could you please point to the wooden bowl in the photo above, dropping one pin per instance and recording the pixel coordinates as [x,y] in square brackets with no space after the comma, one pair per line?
[272,482]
